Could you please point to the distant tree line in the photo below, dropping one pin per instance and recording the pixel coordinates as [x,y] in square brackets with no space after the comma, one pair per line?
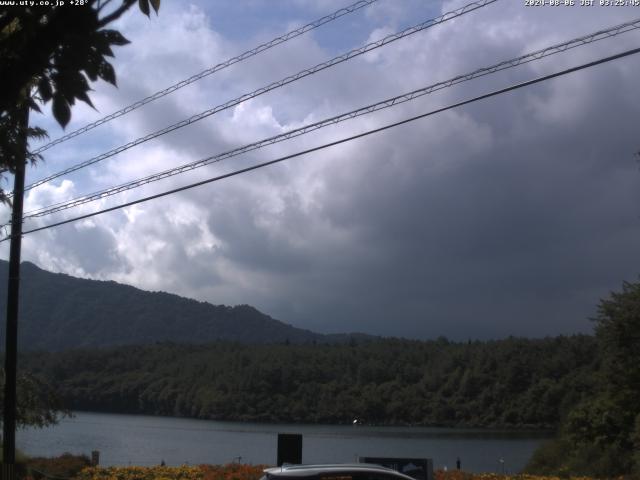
[506,383]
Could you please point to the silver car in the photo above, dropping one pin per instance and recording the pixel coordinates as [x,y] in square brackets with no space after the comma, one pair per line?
[355,471]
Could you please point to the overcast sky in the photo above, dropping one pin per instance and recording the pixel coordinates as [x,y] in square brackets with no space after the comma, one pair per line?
[510,216]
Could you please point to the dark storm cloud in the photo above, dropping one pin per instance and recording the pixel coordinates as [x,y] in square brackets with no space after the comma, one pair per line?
[520,238]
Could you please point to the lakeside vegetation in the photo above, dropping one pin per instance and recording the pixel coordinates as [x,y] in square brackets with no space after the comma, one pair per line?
[231,471]
[600,436]
[506,383]
[78,467]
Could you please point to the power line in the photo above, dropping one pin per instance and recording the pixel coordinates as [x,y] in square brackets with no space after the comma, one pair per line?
[304,73]
[285,81]
[390,102]
[337,142]
[221,66]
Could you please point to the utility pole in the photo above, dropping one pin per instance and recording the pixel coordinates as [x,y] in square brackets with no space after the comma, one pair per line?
[13,295]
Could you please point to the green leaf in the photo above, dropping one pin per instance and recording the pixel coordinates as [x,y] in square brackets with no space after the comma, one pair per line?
[44,89]
[101,44]
[155,4]
[61,110]
[92,66]
[72,84]
[106,72]
[144,7]
[33,105]
[85,98]
[114,37]
[37,132]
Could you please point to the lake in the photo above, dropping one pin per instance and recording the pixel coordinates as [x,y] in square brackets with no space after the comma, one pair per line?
[148,440]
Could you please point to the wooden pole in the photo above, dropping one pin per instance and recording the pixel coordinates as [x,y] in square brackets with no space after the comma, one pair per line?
[13,296]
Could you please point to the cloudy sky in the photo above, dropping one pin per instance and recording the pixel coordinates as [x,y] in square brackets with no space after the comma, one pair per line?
[510,216]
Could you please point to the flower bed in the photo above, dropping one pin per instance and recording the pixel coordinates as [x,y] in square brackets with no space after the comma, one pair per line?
[202,472]
[459,475]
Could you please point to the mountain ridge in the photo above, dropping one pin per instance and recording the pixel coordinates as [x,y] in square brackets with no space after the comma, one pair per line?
[60,312]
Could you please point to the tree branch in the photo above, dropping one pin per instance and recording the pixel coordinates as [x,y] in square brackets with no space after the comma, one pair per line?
[117,13]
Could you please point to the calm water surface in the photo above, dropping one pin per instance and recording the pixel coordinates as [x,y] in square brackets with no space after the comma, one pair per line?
[147,440]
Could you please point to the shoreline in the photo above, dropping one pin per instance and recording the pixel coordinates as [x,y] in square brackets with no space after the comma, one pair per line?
[545,432]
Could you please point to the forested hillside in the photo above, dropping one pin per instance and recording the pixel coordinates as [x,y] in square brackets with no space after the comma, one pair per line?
[512,382]
[59,312]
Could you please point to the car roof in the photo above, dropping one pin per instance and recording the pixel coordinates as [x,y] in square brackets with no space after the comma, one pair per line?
[337,468]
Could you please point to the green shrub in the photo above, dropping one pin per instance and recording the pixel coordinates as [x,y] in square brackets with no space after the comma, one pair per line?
[549,458]
[65,466]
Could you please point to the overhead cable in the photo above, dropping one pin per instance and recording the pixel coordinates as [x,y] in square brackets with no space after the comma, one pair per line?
[285,81]
[399,99]
[337,142]
[221,66]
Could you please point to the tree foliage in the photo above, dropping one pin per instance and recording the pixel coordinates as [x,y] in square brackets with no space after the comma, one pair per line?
[38,404]
[601,435]
[512,382]
[51,55]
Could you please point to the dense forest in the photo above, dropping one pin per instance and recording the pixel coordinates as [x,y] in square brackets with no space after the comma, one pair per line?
[512,382]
